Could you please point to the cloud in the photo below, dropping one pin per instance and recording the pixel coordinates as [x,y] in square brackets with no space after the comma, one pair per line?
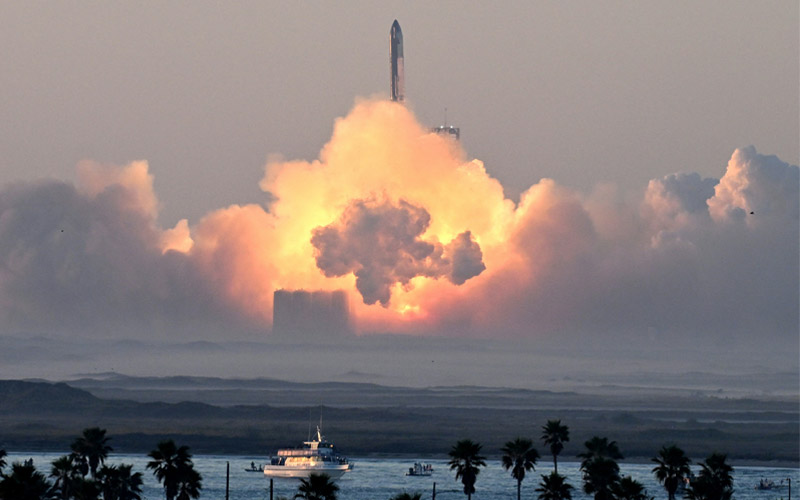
[401,217]
[763,185]
[87,259]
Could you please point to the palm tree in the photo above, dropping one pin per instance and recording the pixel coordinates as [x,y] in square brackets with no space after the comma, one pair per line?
[554,435]
[92,447]
[24,483]
[3,456]
[85,489]
[600,469]
[65,473]
[317,487]
[165,465]
[598,447]
[173,467]
[715,480]
[554,487]
[407,496]
[672,468]
[117,483]
[519,456]
[600,476]
[189,483]
[465,460]
[630,489]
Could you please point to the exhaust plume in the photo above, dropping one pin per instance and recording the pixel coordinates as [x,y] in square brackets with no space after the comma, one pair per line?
[384,214]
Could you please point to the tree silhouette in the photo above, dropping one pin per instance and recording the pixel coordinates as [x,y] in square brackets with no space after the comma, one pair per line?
[118,483]
[600,475]
[92,448]
[599,467]
[554,487]
[173,467]
[317,487]
[465,460]
[3,456]
[24,483]
[85,489]
[519,456]
[598,447]
[408,496]
[189,484]
[672,468]
[715,480]
[554,435]
[630,489]
[65,474]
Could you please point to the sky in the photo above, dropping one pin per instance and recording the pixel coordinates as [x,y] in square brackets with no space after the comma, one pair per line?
[625,170]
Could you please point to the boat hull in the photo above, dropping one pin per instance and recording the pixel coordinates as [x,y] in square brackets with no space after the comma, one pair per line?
[283,471]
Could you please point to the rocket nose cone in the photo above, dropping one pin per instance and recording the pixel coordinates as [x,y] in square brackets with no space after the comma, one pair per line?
[396,27]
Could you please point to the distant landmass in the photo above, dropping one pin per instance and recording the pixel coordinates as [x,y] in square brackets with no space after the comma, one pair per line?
[258,416]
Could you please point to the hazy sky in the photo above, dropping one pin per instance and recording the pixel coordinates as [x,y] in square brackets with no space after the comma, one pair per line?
[582,92]
[625,167]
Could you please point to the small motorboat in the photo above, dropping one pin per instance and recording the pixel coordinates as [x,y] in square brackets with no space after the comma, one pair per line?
[420,469]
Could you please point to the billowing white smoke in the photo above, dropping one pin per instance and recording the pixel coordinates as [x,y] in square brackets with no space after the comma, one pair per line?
[88,260]
[384,212]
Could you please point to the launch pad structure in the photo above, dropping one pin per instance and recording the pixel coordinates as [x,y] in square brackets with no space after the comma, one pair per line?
[397,77]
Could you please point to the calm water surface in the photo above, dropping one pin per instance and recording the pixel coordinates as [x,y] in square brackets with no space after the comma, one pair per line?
[380,479]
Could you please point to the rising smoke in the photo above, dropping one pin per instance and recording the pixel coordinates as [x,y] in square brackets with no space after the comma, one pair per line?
[422,237]
[381,245]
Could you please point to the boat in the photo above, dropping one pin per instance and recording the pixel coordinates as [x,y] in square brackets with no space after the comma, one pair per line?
[254,468]
[769,484]
[420,469]
[316,456]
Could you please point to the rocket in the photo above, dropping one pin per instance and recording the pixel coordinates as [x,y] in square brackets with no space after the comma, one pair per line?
[396,62]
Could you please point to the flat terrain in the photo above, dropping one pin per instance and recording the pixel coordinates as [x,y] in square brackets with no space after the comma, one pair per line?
[257,416]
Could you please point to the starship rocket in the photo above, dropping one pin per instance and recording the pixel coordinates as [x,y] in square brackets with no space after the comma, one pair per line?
[396,59]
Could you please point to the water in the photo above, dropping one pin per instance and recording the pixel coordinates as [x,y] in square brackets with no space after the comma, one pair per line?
[380,479]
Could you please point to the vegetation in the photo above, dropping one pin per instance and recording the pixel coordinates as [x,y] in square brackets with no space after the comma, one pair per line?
[771,433]
[24,483]
[66,476]
[466,460]
[317,487]
[600,469]
[715,480]
[408,496]
[173,467]
[554,487]
[672,468]
[118,483]
[554,435]
[630,489]
[91,449]
[520,456]
[84,475]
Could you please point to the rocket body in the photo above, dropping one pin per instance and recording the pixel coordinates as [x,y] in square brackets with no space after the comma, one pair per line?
[396,62]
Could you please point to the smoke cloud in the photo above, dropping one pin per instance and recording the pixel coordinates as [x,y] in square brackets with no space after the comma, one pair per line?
[425,237]
[380,244]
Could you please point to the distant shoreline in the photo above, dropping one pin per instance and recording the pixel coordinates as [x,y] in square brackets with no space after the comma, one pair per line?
[44,416]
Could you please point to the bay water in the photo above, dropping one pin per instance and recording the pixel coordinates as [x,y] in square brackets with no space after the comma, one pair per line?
[382,478]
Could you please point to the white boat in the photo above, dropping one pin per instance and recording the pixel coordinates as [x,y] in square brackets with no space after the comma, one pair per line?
[420,469]
[316,456]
